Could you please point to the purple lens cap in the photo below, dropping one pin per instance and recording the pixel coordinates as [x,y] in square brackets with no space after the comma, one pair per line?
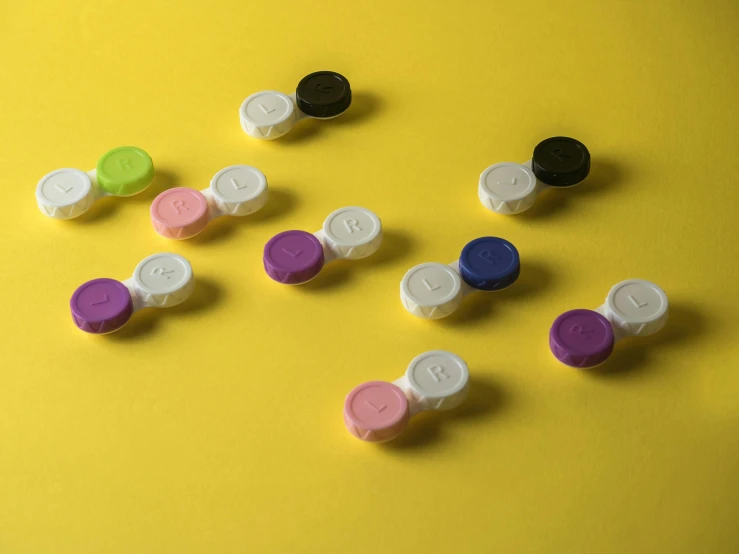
[581,338]
[293,257]
[101,306]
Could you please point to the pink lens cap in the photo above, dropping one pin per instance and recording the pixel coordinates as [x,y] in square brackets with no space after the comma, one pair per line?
[581,338]
[101,306]
[376,411]
[179,213]
[293,257]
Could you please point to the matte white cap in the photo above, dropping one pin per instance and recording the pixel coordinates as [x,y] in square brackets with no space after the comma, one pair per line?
[437,380]
[65,193]
[163,280]
[239,190]
[353,232]
[507,188]
[636,307]
[267,115]
[431,290]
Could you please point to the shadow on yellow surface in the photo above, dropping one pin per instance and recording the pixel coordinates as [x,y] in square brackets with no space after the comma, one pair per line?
[535,279]
[364,105]
[282,202]
[632,355]
[606,177]
[206,296]
[429,429]
[395,246]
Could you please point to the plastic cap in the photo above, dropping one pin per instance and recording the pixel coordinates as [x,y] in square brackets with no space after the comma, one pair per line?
[561,161]
[507,188]
[64,193]
[323,94]
[293,257]
[438,380]
[101,306]
[239,190]
[637,307]
[353,232]
[267,115]
[489,263]
[581,338]
[164,280]
[124,171]
[431,290]
[179,213]
[376,411]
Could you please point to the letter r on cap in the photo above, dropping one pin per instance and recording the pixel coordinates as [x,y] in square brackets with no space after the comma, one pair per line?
[124,164]
[352,225]
[437,372]
[177,205]
[488,256]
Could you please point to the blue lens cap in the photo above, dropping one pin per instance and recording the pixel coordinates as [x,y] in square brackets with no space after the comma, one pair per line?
[489,263]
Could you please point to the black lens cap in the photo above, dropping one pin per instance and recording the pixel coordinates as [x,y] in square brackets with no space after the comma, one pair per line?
[323,94]
[561,161]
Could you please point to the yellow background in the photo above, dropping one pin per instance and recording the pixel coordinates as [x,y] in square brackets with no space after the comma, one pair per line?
[216,427]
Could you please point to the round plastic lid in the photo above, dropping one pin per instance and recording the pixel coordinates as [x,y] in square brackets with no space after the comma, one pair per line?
[376,411]
[581,338]
[266,108]
[161,277]
[179,213]
[352,228]
[323,94]
[638,304]
[508,186]
[438,375]
[293,257]
[124,171]
[561,161]
[63,187]
[101,306]
[489,263]
[238,183]
[431,284]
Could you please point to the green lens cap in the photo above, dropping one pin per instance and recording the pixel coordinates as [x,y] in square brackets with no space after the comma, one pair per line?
[124,171]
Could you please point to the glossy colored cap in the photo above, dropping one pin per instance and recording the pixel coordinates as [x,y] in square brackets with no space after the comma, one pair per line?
[124,171]
[64,193]
[581,338]
[376,411]
[101,306]
[438,380]
[637,307]
[561,161]
[293,257]
[323,94]
[489,263]
[267,115]
[179,213]
[431,290]
[507,188]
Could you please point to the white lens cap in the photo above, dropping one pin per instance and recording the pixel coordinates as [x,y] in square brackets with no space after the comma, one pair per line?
[64,193]
[267,115]
[507,188]
[164,280]
[637,306]
[431,290]
[353,232]
[239,189]
[438,379]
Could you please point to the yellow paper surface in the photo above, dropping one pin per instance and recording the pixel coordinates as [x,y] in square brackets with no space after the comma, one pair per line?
[216,427]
